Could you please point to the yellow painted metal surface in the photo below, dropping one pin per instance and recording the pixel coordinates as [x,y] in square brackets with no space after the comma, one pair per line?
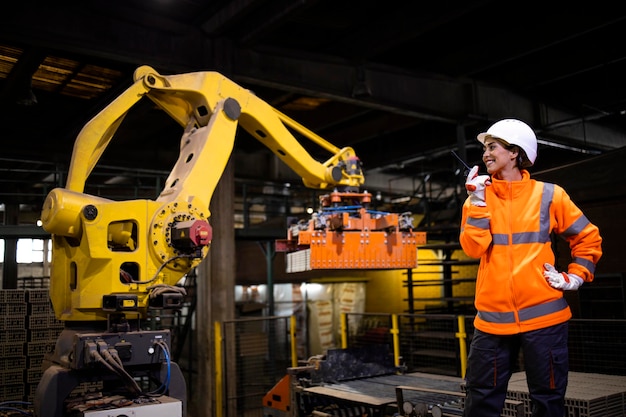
[103,247]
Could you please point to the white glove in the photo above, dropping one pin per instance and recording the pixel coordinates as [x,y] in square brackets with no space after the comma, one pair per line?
[561,280]
[475,186]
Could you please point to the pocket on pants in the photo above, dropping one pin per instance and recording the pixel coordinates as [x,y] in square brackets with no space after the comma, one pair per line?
[481,367]
[559,358]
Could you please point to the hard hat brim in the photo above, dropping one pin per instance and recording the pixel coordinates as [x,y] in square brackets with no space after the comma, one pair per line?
[483,136]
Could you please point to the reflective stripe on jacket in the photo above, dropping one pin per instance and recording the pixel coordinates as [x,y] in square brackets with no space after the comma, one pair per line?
[511,236]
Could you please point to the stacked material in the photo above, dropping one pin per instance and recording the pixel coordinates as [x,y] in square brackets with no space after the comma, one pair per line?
[28,330]
[587,395]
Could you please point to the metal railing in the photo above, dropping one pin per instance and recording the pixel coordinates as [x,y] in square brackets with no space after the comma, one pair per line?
[439,343]
[254,354]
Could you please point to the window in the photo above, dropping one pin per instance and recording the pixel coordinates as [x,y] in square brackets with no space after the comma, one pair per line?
[28,251]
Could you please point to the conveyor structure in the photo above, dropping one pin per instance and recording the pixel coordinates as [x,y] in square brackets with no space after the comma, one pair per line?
[363,382]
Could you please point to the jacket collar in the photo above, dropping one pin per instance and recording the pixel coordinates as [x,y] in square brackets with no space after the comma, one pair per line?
[504,188]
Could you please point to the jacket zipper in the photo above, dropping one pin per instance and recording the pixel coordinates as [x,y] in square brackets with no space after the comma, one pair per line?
[509,199]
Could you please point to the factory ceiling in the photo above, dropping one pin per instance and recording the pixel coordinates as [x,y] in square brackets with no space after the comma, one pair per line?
[403,83]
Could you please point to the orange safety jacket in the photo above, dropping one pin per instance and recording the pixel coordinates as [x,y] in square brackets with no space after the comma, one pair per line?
[511,236]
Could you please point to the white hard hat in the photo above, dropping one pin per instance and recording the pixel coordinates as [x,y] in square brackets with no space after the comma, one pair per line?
[514,132]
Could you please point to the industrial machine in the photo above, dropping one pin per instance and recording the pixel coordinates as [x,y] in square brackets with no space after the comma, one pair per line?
[113,261]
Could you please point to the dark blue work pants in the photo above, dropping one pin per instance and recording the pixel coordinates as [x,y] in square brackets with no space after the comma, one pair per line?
[493,358]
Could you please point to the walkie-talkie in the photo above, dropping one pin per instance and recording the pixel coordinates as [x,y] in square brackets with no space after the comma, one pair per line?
[467,167]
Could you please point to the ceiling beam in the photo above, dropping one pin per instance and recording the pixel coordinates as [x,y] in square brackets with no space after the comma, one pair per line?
[429,97]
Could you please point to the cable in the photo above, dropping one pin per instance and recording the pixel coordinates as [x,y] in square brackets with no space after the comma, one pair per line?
[159,289]
[100,359]
[10,407]
[116,356]
[165,384]
[109,357]
[156,274]
[166,352]
[110,363]
[132,384]
[17,410]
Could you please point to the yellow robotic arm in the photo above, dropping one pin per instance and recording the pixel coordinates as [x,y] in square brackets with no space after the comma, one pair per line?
[112,256]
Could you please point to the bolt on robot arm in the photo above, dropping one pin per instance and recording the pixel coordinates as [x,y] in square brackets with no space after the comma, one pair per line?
[114,255]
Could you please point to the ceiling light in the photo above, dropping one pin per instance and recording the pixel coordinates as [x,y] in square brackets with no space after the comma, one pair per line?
[399,200]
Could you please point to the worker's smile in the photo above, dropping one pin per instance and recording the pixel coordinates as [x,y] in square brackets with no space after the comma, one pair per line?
[494,156]
[491,164]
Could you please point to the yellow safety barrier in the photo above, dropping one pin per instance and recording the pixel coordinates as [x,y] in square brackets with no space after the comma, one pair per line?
[395,331]
[294,352]
[219,381]
[462,344]
[344,331]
